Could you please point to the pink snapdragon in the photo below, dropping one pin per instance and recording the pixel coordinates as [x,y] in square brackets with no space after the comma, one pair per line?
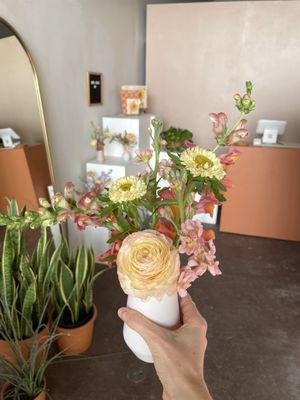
[191,237]
[186,278]
[219,123]
[229,158]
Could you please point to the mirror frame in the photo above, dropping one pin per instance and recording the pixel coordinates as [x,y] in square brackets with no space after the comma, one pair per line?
[38,98]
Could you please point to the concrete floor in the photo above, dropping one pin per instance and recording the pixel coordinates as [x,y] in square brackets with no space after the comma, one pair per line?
[253,319]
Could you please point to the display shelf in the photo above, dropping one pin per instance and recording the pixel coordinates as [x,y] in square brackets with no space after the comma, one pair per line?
[136,124]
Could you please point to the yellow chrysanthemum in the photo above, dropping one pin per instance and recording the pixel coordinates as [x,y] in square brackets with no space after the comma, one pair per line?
[201,162]
[127,189]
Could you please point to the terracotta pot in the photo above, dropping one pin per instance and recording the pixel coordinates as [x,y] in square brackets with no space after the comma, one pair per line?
[41,396]
[77,340]
[7,352]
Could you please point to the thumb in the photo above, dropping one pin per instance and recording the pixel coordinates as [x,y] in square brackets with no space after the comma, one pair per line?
[139,323]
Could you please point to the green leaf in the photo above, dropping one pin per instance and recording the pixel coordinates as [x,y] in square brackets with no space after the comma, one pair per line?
[66,283]
[116,237]
[29,300]
[26,270]
[81,270]
[6,278]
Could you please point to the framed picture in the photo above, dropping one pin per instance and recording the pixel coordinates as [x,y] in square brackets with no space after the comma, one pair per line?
[94,88]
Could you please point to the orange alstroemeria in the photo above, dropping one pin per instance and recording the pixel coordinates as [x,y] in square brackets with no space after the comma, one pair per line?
[166,228]
[208,235]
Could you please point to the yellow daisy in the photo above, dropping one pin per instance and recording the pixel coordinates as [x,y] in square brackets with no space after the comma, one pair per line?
[201,162]
[127,189]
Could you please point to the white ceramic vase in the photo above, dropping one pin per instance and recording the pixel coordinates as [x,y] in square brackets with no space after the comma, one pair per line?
[100,156]
[164,312]
[126,155]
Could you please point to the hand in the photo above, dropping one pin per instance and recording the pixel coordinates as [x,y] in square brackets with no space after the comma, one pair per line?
[178,354]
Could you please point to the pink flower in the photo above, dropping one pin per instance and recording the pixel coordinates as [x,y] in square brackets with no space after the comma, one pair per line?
[191,237]
[69,190]
[204,260]
[229,158]
[88,202]
[219,123]
[186,277]
[239,133]
[83,220]
[189,144]
[166,168]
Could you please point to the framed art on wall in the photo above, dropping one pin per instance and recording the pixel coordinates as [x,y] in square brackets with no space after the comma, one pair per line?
[94,88]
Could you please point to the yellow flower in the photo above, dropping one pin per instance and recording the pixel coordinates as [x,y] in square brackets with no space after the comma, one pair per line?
[134,106]
[201,162]
[127,189]
[90,174]
[148,265]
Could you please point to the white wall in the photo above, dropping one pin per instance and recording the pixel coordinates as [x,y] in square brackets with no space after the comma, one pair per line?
[66,39]
[207,51]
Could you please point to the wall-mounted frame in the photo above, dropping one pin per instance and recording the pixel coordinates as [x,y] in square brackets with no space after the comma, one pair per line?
[94,88]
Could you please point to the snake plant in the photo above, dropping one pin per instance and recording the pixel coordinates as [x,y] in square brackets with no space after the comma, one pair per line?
[73,280]
[24,281]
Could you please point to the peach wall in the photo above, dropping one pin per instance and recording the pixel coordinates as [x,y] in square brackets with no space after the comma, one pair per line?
[200,54]
[18,105]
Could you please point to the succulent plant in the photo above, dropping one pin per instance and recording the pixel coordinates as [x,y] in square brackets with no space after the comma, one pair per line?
[73,281]
[24,281]
[175,138]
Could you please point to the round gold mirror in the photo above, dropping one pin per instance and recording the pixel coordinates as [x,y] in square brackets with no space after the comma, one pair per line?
[26,171]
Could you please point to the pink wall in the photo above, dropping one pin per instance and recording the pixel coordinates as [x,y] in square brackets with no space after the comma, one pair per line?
[200,54]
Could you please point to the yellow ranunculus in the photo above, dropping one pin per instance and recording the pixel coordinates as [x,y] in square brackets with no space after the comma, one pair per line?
[148,265]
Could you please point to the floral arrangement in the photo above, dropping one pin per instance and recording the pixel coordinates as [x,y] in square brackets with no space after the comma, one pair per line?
[97,183]
[125,139]
[151,224]
[97,137]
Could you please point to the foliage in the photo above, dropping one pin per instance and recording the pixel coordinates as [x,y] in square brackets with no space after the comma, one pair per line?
[24,280]
[175,138]
[73,281]
[25,375]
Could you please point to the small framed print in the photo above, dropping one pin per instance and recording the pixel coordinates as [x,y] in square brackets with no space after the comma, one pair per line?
[94,88]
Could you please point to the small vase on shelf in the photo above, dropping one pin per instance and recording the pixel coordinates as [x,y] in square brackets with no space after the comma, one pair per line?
[100,156]
[164,312]
[126,153]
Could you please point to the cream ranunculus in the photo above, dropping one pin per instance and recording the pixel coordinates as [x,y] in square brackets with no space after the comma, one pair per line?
[148,265]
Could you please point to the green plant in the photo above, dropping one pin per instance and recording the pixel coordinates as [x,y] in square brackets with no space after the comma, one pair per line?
[24,280]
[25,376]
[73,281]
[175,138]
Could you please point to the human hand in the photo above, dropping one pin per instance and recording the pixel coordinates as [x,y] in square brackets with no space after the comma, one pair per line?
[178,354]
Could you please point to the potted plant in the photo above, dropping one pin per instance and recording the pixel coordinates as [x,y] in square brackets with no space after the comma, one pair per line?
[24,377]
[72,298]
[25,286]
[176,139]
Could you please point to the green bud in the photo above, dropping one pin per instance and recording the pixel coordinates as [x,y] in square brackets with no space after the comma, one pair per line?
[249,88]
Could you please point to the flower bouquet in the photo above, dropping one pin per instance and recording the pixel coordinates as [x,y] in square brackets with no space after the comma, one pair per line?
[152,224]
[127,140]
[97,141]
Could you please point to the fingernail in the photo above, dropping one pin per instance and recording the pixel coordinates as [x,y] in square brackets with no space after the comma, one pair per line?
[122,313]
